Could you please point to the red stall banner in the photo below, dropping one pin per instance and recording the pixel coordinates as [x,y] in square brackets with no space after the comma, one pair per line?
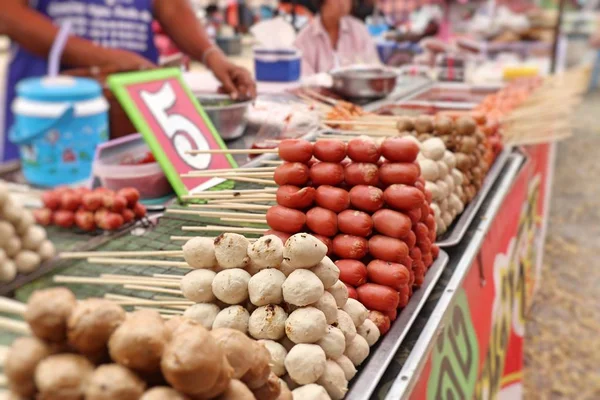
[479,352]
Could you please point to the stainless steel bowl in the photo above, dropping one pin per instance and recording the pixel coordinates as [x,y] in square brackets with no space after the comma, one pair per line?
[364,83]
[228,116]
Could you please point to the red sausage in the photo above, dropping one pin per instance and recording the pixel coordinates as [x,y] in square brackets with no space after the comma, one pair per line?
[392,314]
[291,174]
[400,150]
[427,259]
[281,235]
[352,272]
[352,293]
[404,173]
[295,150]
[430,222]
[325,173]
[424,245]
[322,221]
[285,219]
[402,197]
[378,297]
[425,210]
[328,242]
[381,321]
[355,223]
[435,251]
[410,239]
[332,198]
[363,150]
[414,215]
[415,254]
[432,235]
[422,232]
[293,197]
[352,247]
[330,150]
[387,249]
[404,297]
[387,273]
[366,198]
[361,174]
[391,223]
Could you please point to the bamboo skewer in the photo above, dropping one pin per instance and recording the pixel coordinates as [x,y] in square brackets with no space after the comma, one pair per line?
[129,261]
[163,253]
[231,206]
[248,180]
[227,201]
[360,122]
[211,173]
[232,229]
[157,277]
[10,306]
[228,170]
[3,353]
[14,326]
[220,196]
[243,220]
[168,276]
[109,281]
[217,214]
[160,310]
[231,192]
[272,162]
[152,289]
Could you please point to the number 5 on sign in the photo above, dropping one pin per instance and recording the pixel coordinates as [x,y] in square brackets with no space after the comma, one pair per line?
[172,122]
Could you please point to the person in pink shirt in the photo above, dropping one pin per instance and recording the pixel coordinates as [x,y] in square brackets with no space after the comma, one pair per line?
[335,39]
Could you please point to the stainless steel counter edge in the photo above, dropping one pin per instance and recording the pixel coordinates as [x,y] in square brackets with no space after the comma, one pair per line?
[407,378]
[371,372]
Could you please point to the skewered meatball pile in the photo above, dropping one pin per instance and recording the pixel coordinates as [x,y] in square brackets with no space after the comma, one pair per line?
[367,202]
[92,349]
[288,297]
[23,244]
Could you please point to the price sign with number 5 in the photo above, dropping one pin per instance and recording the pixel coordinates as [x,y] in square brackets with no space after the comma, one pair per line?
[172,122]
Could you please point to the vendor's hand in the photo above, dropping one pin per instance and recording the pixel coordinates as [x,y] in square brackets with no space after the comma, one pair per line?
[236,81]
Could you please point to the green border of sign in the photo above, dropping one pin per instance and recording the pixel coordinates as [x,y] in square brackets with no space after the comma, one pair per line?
[118,84]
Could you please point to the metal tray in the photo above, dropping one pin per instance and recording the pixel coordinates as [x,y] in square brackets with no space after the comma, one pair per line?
[459,227]
[364,384]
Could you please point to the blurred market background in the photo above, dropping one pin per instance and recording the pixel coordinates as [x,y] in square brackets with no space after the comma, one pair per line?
[562,352]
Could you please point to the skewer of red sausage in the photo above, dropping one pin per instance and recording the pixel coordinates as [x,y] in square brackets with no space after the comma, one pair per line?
[326,173]
[294,197]
[332,198]
[295,150]
[322,221]
[350,247]
[361,174]
[330,150]
[285,219]
[364,150]
[355,223]
[295,173]
[366,198]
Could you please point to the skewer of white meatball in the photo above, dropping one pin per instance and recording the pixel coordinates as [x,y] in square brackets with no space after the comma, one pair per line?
[289,297]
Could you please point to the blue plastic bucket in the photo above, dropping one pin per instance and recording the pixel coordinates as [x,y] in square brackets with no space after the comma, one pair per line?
[58,124]
[277,65]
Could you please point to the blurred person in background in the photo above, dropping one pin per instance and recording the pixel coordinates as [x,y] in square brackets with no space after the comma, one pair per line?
[335,39]
[111,33]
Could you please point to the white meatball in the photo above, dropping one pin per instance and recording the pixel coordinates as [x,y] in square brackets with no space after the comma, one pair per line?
[231,251]
[304,251]
[12,246]
[302,288]
[433,149]
[231,286]
[334,380]
[444,205]
[347,366]
[450,182]
[357,350]
[27,261]
[346,325]
[369,331]
[234,317]
[449,159]
[199,252]
[266,252]
[455,203]
[443,168]
[333,343]
[7,231]
[327,272]
[340,293]
[196,286]
[443,187]
[306,325]
[328,306]
[440,226]
[26,222]
[278,354]
[266,287]
[34,237]
[447,218]
[203,313]
[8,271]
[429,169]
[267,322]
[13,212]
[305,363]
[437,213]
[310,392]
[47,250]
[356,311]
[435,191]
[458,177]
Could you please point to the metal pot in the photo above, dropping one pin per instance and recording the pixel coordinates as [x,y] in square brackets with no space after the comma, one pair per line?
[228,116]
[364,83]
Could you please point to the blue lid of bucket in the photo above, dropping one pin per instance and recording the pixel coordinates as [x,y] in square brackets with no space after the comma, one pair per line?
[59,88]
